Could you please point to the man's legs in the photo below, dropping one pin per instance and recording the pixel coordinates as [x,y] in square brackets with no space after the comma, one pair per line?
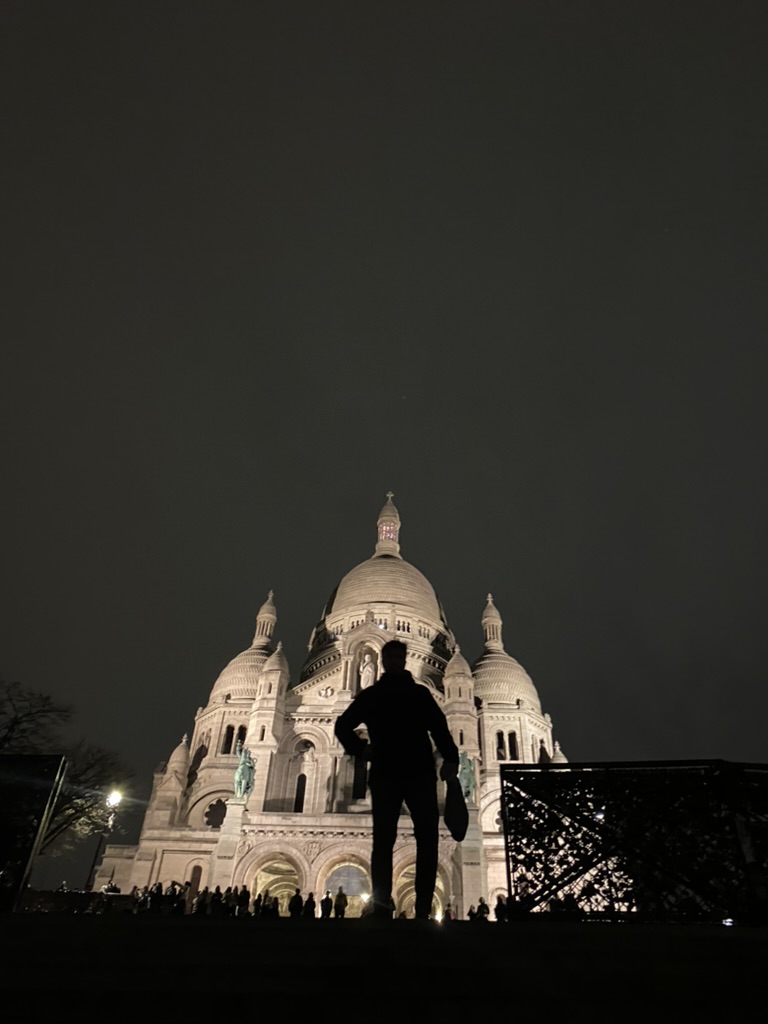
[421,798]
[386,800]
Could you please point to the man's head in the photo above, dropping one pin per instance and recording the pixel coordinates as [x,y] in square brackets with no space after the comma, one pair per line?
[393,656]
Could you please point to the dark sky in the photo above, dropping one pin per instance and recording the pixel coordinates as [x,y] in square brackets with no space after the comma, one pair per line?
[263,262]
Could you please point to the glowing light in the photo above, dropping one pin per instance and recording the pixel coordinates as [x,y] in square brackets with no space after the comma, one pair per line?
[728,922]
[365,897]
[114,798]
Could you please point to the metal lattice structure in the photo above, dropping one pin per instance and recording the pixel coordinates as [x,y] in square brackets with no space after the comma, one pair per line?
[668,841]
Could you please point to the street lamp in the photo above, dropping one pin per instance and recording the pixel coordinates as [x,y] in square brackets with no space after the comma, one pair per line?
[112,802]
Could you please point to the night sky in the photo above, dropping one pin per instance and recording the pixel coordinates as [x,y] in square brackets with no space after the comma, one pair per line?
[264,262]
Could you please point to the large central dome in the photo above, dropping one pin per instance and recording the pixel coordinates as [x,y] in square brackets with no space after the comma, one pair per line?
[386,579]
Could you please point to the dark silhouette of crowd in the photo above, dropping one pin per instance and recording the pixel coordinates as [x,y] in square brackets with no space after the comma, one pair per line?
[181,899]
[178,899]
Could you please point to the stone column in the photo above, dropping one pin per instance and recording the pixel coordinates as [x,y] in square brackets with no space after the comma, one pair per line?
[469,866]
[346,666]
[223,857]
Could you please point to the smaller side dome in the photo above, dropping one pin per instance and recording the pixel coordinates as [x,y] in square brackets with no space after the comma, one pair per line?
[179,759]
[239,679]
[276,660]
[500,679]
[558,757]
[458,665]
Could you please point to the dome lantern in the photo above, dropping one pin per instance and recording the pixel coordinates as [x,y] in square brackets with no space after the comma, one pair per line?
[491,623]
[265,622]
[388,525]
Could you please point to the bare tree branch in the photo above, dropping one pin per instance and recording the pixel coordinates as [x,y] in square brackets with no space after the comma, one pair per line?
[31,723]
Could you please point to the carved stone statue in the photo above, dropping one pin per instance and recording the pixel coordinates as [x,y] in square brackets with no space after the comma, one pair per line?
[467,776]
[367,672]
[244,774]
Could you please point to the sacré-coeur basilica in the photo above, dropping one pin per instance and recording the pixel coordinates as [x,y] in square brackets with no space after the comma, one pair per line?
[263,796]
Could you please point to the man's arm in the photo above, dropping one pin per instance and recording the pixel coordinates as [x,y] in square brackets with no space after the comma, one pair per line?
[345,727]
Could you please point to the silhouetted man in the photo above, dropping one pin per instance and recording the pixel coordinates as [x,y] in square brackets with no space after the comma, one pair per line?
[403,720]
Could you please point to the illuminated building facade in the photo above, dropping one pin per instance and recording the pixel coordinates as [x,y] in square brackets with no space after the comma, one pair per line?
[300,815]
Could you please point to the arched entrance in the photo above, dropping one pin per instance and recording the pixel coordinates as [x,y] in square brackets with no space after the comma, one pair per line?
[280,877]
[404,893]
[356,884]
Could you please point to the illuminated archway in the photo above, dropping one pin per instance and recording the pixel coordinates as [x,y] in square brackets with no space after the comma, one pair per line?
[278,876]
[355,881]
[404,892]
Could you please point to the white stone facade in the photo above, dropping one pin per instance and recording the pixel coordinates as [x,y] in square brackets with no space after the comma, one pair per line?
[306,821]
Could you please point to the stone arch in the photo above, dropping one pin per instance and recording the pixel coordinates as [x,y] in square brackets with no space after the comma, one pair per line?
[343,855]
[490,811]
[368,636]
[300,732]
[404,883]
[305,750]
[254,857]
[493,896]
[196,813]
[276,865]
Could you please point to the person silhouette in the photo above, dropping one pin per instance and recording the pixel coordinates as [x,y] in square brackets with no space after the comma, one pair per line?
[326,904]
[340,904]
[403,721]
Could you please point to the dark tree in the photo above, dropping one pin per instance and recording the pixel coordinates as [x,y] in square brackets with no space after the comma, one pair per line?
[32,723]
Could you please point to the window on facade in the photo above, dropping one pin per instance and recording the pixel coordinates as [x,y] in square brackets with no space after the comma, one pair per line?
[262,733]
[301,789]
[228,740]
[461,737]
[501,752]
[215,814]
[241,734]
[514,754]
